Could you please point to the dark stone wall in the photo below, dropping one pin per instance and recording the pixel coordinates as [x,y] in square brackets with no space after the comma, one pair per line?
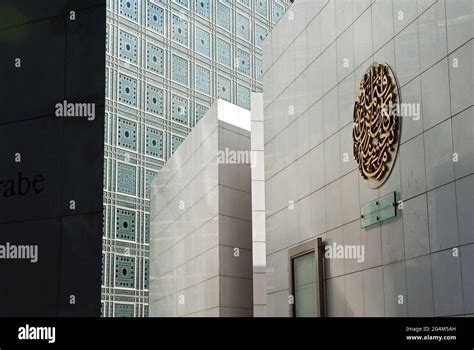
[48,161]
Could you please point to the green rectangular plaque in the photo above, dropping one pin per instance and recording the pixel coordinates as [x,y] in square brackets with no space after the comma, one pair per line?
[378,211]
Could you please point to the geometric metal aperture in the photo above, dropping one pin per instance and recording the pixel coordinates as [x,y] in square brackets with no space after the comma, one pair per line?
[154,100]
[243,27]
[200,111]
[149,176]
[224,52]
[155,57]
[203,8]
[202,42]
[260,35]
[376,124]
[179,109]
[129,9]
[145,273]
[242,62]
[127,134]
[126,179]
[125,224]
[127,90]
[156,18]
[223,15]
[128,47]
[243,96]
[124,272]
[124,310]
[203,80]
[176,141]
[154,143]
[179,30]
[179,71]
[224,87]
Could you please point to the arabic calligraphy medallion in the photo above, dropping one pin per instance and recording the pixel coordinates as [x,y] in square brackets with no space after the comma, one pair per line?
[376,127]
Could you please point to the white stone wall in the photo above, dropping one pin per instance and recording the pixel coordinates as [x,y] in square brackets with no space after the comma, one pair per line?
[258,208]
[200,251]
[309,95]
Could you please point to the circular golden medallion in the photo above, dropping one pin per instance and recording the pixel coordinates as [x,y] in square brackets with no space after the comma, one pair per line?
[376,127]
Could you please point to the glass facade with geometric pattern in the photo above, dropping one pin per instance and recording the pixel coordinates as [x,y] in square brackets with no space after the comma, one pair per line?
[166,62]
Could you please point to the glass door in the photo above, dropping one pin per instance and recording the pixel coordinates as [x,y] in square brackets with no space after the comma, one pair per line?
[306,273]
[304,284]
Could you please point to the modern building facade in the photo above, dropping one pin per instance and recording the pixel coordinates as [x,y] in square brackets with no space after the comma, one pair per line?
[51,161]
[257,169]
[167,61]
[418,263]
[201,221]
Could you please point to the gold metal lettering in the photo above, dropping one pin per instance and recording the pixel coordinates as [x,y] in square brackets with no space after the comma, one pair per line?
[376,123]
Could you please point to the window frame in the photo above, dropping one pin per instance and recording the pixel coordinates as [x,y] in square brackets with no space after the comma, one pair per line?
[316,247]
